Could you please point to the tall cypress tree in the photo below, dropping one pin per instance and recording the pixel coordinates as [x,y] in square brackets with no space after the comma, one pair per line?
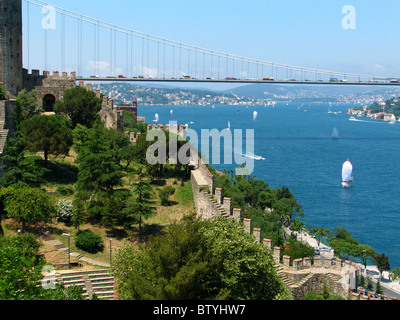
[140,207]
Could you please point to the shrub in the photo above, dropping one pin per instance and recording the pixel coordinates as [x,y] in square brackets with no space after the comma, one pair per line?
[65,210]
[88,241]
[3,94]
[164,193]
[65,190]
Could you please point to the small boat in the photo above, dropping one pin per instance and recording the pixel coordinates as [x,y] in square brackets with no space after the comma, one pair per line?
[156,118]
[255,115]
[229,125]
[253,156]
[392,119]
[171,111]
[347,173]
[352,119]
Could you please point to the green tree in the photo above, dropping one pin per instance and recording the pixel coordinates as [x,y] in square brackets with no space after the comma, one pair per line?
[361,280]
[369,285]
[131,125]
[365,253]
[50,134]
[78,213]
[378,287]
[99,175]
[165,192]
[319,233]
[20,171]
[395,273]
[199,260]
[298,250]
[27,105]
[81,106]
[382,262]
[325,294]
[343,243]
[28,205]
[3,93]
[140,206]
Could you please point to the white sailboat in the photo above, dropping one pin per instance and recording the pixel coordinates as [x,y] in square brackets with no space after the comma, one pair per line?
[335,133]
[229,125]
[156,117]
[171,111]
[255,115]
[347,173]
[392,119]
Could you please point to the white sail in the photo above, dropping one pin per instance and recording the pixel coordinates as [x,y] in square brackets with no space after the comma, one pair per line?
[347,172]
[156,117]
[229,125]
[335,133]
[255,115]
[393,119]
[171,112]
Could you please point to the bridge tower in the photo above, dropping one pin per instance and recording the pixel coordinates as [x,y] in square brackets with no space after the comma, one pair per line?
[11,45]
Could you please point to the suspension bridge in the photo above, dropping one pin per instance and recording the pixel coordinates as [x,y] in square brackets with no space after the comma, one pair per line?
[102,51]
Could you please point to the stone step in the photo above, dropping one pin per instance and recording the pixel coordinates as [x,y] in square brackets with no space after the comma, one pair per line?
[98,282]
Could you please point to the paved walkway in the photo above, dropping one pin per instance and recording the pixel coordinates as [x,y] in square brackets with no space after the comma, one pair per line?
[60,246]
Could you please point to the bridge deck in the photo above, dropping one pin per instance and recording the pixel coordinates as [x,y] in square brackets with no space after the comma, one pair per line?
[292,82]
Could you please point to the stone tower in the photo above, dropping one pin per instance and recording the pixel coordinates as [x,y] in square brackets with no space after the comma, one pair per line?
[11,45]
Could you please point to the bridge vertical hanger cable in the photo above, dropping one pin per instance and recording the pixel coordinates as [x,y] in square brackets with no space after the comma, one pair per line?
[115,53]
[62,42]
[94,50]
[111,52]
[164,74]
[45,49]
[28,34]
[126,55]
[211,73]
[219,63]
[98,47]
[131,55]
[79,46]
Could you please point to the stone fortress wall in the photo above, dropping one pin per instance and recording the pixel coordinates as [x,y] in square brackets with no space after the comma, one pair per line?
[300,276]
[11,46]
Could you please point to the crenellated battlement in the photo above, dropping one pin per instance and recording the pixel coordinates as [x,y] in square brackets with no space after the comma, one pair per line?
[177,129]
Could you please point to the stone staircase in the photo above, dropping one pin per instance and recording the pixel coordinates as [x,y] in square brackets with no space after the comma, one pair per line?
[3,131]
[95,282]
[285,279]
[221,211]
[3,137]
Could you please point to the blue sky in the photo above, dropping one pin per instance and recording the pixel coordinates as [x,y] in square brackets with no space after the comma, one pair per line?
[303,33]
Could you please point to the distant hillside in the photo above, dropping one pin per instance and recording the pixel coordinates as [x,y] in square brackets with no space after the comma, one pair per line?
[123,93]
[310,92]
[252,94]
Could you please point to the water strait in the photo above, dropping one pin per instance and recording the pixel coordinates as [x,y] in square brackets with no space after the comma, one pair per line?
[298,150]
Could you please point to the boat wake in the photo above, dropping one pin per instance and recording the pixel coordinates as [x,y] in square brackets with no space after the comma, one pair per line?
[253,156]
[358,120]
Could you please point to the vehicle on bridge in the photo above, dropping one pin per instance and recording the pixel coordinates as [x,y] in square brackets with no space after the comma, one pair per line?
[268,79]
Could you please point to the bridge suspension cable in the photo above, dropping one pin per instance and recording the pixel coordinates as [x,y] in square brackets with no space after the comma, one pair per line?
[191,52]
